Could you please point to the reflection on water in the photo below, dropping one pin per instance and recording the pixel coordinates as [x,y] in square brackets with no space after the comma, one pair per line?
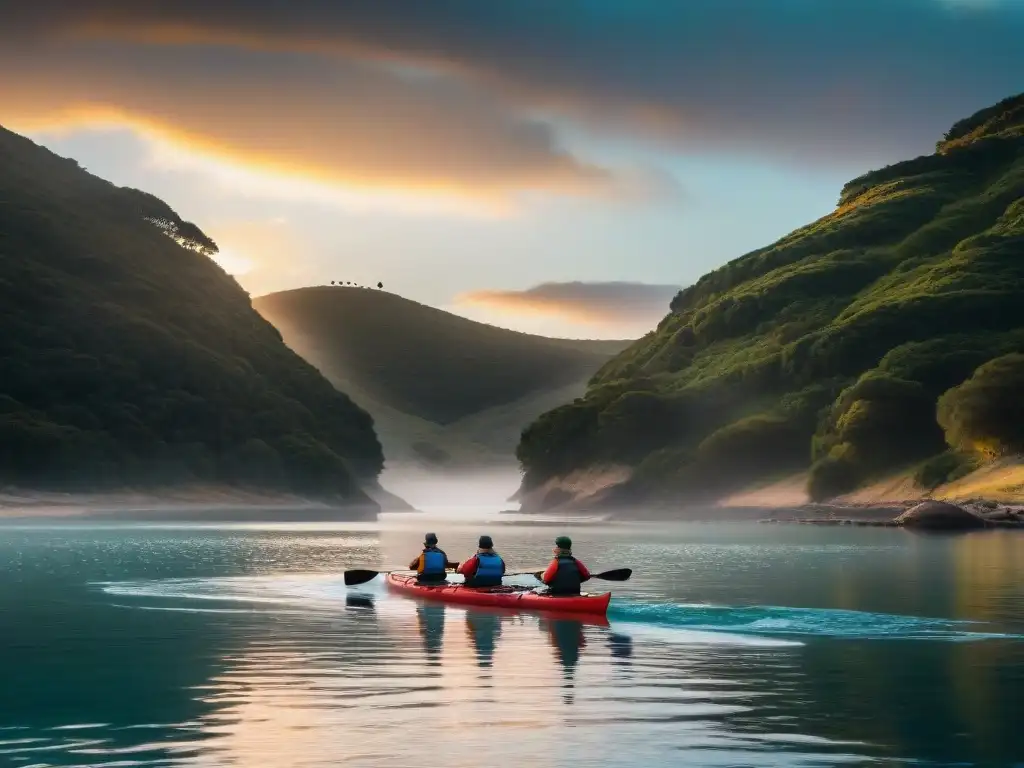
[621,646]
[358,601]
[568,640]
[216,649]
[483,629]
[430,619]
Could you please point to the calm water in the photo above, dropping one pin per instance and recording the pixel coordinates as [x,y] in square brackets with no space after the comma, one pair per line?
[731,646]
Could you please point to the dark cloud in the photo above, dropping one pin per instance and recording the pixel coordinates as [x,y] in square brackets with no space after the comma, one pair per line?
[601,303]
[849,81]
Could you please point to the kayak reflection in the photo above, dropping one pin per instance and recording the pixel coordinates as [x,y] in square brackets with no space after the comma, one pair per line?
[484,627]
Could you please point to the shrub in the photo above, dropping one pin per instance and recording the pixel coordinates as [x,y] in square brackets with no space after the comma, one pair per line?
[833,476]
[753,446]
[944,468]
[986,412]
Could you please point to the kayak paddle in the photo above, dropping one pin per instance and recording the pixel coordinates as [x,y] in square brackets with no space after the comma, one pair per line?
[356,577]
[353,578]
[618,574]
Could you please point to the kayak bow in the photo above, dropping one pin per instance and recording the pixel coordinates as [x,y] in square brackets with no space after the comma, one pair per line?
[519,598]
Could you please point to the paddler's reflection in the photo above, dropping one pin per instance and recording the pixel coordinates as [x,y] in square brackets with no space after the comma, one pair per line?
[431,622]
[483,629]
[568,639]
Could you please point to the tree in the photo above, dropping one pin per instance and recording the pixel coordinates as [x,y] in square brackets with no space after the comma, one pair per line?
[380,285]
[986,413]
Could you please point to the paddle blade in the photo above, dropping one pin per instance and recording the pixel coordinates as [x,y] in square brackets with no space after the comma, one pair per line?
[354,578]
[619,574]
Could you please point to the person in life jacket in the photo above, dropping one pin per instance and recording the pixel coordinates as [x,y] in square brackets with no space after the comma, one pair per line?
[485,568]
[432,563]
[565,574]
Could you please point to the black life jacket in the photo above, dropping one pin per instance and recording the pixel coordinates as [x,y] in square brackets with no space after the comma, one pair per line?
[567,578]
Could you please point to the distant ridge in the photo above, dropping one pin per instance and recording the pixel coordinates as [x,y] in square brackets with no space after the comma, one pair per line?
[441,388]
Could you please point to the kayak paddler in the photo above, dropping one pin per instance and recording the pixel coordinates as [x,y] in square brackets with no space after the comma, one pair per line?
[565,574]
[485,568]
[432,562]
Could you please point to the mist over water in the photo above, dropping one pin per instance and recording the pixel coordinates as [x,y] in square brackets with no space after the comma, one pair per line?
[731,645]
[473,493]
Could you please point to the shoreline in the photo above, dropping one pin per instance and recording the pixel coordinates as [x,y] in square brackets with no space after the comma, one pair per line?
[857,514]
[194,504]
[990,513]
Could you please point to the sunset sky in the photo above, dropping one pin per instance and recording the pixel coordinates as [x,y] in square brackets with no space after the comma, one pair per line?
[555,166]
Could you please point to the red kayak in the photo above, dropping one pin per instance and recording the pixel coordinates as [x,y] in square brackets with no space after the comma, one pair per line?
[519,598]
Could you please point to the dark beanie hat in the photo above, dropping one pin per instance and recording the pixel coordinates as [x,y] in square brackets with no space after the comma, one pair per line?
[485,542]
[430,538]
[563,542]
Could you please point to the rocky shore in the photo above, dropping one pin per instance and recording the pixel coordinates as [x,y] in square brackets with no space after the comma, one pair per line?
[923,515]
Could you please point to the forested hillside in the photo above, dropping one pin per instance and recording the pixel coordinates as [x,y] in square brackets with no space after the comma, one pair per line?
[886,334]
[129,358]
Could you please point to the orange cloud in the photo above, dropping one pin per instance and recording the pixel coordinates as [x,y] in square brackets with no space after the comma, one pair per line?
[343,123]
[590,303]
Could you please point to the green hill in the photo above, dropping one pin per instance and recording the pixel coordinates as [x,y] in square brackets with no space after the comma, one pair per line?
[443,390]
[129,358]
[845,346]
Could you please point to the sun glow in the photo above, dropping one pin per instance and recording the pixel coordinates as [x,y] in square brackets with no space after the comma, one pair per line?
[259,177]
[294,186]
[232,263]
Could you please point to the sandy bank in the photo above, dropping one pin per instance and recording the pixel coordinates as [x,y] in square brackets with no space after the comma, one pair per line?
[998,486]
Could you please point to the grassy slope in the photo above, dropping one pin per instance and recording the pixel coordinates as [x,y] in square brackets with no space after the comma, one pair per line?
[431,377]
[130,359]
[831,345]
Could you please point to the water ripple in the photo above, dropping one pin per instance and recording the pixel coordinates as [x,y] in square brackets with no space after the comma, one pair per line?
[773,620]
[192,664]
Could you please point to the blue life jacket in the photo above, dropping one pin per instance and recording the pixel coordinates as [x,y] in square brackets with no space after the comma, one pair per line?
[434,562]
[489,570]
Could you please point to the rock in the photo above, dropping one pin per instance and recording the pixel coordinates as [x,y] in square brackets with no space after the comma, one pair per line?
[1001,515]
[939,516]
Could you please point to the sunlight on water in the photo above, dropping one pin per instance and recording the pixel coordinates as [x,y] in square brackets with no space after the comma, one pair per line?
[243,647]
[389,665]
